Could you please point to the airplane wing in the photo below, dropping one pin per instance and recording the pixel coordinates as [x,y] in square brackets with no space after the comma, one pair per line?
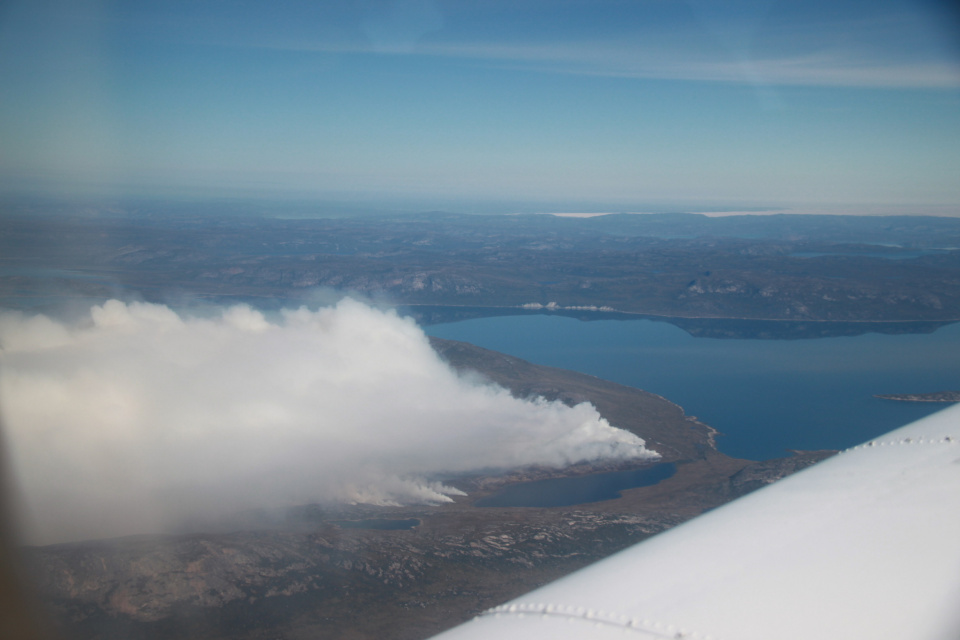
[863,545]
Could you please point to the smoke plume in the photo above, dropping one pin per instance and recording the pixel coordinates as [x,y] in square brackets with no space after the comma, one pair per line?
[139,418]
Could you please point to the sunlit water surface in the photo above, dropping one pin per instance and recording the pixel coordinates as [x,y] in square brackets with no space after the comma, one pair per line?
[765,396]
[565,492]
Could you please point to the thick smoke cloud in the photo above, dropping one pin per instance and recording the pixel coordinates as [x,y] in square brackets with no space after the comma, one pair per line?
[138,418]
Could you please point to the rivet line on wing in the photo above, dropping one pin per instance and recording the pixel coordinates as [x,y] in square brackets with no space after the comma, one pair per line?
[945,440]
[627,623]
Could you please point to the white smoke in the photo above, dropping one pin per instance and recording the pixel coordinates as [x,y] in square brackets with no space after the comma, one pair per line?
[139,417]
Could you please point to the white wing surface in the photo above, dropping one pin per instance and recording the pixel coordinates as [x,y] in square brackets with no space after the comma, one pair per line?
[863,545]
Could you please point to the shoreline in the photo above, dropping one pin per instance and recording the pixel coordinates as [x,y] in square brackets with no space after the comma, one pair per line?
[937,396]
[612,311]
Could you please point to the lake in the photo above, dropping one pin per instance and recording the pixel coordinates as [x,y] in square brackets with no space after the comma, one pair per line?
[765,396]
[566,492]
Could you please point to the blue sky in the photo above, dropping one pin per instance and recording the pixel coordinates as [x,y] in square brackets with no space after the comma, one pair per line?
[566,105]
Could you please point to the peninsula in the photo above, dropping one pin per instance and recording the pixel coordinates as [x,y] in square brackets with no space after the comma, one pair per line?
[937,396]
[315,571]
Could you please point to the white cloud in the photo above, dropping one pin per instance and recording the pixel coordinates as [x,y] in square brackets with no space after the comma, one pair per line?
[141,418]
[637,60]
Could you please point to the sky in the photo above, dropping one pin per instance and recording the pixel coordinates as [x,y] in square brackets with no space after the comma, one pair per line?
[537,105]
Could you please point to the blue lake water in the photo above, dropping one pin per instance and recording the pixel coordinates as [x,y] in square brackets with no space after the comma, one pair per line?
[565,492]
[766,396]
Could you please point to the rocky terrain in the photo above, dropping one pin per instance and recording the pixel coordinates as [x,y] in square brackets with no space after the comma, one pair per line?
[312,572]
[874,273]
[299,574]
[760,474]
[325,582]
